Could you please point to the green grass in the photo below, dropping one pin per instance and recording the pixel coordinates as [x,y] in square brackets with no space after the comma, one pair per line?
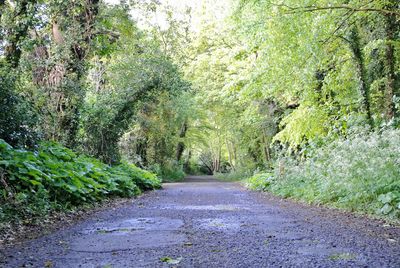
[233,175]
[54,178]
[360,173]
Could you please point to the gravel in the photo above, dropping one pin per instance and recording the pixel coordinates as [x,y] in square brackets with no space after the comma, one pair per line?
[207,223]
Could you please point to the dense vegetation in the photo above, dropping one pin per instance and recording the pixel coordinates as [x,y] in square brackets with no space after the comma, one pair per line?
[359,173]
[302,97]
[55,178]
[77,75]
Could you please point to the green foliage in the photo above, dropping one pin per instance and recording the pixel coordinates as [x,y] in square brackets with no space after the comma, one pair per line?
[302,125]
[260,181]
[360,173]
[54,177]
[169,172]
[139,75]
[234,175]
[17,118]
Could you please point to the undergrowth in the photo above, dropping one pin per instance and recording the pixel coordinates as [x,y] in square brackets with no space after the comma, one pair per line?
[54,178]
[360,173]
[169,172]
[233,175]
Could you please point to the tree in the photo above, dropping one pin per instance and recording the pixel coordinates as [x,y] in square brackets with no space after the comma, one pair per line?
[16,116]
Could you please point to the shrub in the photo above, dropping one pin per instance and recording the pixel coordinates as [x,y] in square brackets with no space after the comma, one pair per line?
[54,177]
[169,172]
[260,181]
[17,117]
[360,173]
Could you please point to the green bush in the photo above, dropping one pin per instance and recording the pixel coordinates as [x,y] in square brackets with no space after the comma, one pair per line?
[260,181]
[34,182]
[17,117]
[169,172]
[360,173]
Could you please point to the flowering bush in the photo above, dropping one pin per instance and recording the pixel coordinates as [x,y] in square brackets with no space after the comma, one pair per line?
[359,173]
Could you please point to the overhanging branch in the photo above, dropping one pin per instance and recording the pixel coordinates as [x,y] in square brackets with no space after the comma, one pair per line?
[343,7]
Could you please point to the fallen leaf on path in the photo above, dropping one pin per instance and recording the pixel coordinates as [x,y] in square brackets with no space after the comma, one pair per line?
[170,260]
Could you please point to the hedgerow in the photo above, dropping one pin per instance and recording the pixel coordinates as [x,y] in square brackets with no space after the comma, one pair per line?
[53,177]
[360,173]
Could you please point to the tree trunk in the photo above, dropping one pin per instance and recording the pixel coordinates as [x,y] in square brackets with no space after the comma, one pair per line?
[181,145]
[390,91]
[23,17]
[141,150]
[361,71]
[2,4]
[186,165]
[266,151]
[230,148]
[217,161]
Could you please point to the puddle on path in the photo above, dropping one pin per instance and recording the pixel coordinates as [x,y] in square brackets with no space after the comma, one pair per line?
[207,207]
[219,224]
[133,225]
[103,243]
[274,222]
[326,251]
[127,234]
[293,236]
[278,226]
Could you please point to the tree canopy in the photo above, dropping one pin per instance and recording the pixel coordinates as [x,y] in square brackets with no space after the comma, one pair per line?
[213,87]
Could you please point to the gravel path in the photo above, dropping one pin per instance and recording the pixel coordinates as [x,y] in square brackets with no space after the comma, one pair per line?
[206,223]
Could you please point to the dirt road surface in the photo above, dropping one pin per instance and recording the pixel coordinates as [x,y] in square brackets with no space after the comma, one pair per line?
[202,222]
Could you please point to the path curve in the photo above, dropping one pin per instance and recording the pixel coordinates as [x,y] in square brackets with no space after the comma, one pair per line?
[202,222]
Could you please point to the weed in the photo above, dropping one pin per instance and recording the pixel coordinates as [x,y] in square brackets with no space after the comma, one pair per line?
[360,173]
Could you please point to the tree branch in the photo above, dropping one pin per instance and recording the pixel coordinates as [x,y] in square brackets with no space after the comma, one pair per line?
[345,7]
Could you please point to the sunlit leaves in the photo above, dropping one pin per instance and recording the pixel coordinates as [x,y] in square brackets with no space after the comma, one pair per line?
[305,123]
